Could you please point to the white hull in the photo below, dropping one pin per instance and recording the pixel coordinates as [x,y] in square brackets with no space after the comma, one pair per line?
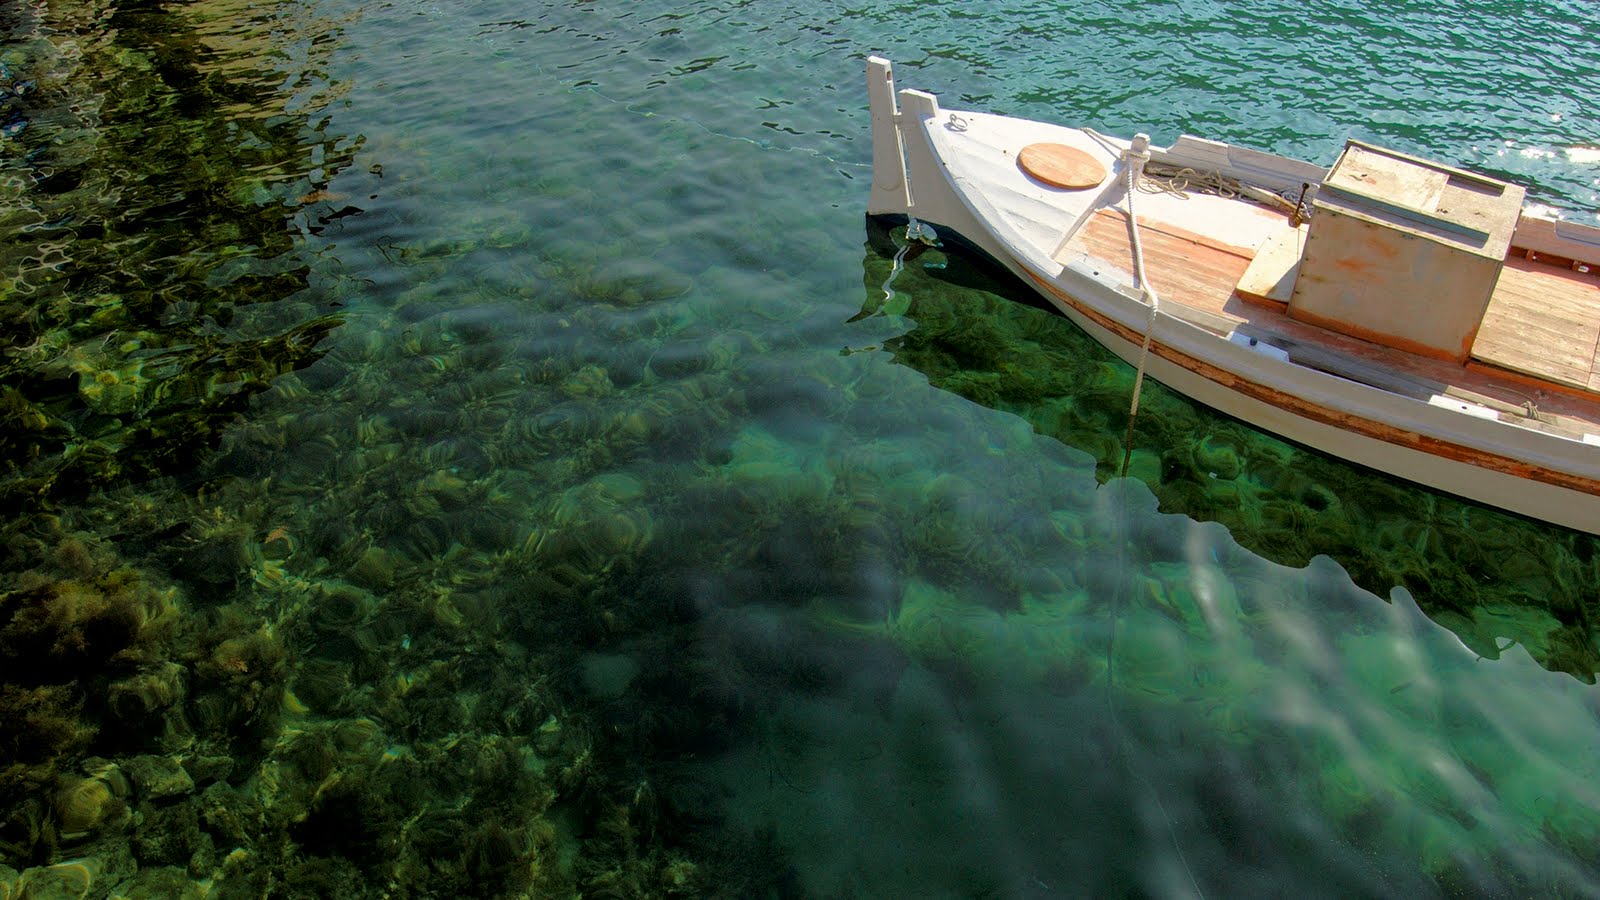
[958,171]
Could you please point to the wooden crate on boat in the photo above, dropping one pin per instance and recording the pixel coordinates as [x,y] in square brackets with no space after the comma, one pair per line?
[1403,251]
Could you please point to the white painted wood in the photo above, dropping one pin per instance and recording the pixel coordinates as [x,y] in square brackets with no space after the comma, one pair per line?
[962,174]
[1554,237]
[888,161]
[1279,173]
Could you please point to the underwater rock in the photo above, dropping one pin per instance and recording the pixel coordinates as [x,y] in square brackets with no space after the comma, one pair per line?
[340,606]
[64,629]
[376,568]
[158,777]
[170,835]
[149,705]
[680,359]
[242,658]
[217,557]
[324,685]
[632,282]
[325,876]
[239,688]
[623,533]
[229,815]
[591,381]
[206,769]
[243,874]
[86,805]
[443,489]
[549,737]
[1217,457]
[158,883]
[87,877]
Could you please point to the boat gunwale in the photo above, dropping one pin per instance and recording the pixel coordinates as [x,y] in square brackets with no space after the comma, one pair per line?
[1471,432]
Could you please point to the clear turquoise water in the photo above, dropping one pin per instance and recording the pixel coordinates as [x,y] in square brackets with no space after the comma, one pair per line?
[450,437]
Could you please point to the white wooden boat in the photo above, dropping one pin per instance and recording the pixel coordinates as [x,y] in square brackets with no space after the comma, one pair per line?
[1401,314]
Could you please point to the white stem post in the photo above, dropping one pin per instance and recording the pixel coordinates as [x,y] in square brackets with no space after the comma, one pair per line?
[889,191]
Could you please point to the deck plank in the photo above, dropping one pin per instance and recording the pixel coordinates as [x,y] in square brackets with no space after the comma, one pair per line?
[1542,321]
[1183,267]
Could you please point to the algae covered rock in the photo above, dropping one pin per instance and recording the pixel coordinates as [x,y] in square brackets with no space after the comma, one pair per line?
[84,806]
[75,879]
[91,805]
[158,883]
[169,834]
[158,777]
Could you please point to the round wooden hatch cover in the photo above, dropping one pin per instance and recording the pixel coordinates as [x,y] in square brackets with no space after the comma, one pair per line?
[1061,166]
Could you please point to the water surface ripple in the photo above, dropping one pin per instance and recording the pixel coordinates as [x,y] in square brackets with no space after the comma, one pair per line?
[466,450]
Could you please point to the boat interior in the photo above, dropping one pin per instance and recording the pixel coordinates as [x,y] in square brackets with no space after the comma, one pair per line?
[1527,319]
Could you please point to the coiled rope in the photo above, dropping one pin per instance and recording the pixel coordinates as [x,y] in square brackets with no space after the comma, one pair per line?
[1180,181]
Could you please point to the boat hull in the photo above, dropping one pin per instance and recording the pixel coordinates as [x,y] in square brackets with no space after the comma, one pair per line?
[1551,479]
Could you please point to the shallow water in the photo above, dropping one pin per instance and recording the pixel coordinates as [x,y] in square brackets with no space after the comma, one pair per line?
[466,450]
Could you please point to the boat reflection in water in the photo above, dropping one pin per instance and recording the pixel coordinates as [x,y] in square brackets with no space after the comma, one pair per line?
[1493,578]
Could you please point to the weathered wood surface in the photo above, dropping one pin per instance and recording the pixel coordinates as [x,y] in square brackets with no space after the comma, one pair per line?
[1544,321]
[1272,273]
[1404,252]
[1518,343]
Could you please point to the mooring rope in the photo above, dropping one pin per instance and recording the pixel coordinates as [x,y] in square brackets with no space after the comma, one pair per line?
[1126,757]
[1180,180]
[899,261]
[917,233]
[1135,157]
[1137,154]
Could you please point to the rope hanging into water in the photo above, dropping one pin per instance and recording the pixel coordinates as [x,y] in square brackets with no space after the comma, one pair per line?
[1134,158]
[919,235]
[899,261]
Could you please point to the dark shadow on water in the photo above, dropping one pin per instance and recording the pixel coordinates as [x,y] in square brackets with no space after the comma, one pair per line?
[1491,577]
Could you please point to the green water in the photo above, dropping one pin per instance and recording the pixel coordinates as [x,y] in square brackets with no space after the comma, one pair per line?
[464,450]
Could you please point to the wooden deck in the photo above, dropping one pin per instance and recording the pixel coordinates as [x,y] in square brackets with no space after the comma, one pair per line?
[1538,341]
[1543,321]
